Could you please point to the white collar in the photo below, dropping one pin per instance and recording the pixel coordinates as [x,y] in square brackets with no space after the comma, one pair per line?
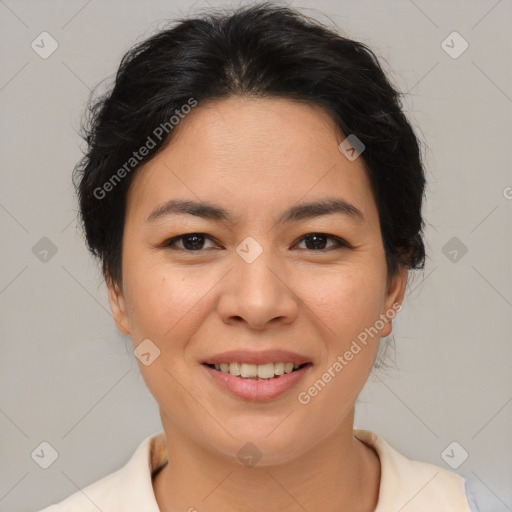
[405,485]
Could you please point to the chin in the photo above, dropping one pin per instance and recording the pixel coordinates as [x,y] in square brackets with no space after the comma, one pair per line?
[261,446]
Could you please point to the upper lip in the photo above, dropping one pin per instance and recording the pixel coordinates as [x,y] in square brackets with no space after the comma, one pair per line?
[261,357]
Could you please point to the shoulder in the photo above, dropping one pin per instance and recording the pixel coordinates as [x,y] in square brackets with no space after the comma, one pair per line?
[89,498]
[128,488]
[414,486]
[475,497]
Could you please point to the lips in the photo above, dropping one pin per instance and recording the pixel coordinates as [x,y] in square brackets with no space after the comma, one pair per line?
[262,357]
[258,376]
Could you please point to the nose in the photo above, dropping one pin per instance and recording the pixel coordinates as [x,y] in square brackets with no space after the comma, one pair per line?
[259,293]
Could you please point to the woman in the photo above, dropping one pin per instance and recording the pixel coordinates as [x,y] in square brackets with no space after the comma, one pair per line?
[254,191]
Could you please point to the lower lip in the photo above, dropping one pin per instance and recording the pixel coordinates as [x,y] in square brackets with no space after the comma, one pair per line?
[257,390]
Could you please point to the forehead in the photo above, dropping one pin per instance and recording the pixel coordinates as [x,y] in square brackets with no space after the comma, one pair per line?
[252,153]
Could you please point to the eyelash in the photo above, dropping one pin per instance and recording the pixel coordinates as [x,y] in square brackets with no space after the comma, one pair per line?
[341,244]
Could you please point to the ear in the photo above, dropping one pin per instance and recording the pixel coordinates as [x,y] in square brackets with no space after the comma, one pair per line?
[118,307]
[394,297]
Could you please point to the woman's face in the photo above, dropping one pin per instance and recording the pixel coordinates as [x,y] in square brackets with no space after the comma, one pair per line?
[252,281]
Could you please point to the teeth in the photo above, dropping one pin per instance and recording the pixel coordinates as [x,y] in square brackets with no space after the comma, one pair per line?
[266,371]
[248,370]
[279,368]
[234,368]
[260,371]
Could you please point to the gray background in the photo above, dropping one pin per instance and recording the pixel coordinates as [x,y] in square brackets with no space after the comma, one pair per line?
[69,378]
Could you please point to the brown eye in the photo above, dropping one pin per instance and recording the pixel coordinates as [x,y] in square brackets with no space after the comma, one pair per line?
[189,242]
[318,241]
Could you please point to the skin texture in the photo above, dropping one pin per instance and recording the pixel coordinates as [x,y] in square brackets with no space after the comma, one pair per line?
[256,157]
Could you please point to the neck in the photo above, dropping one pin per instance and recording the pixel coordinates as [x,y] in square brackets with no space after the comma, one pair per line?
[340,473]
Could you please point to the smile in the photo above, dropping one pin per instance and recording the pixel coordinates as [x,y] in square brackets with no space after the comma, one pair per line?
[256,382]
[256,371]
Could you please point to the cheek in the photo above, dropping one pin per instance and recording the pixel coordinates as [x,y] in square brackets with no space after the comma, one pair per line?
[167,308]
[347,299]
[346,302]
[164,304]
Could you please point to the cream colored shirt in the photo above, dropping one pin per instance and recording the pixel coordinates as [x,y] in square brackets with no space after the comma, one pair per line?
[406,485]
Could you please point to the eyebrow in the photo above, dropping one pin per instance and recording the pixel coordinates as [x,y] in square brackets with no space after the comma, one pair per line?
[210,211]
